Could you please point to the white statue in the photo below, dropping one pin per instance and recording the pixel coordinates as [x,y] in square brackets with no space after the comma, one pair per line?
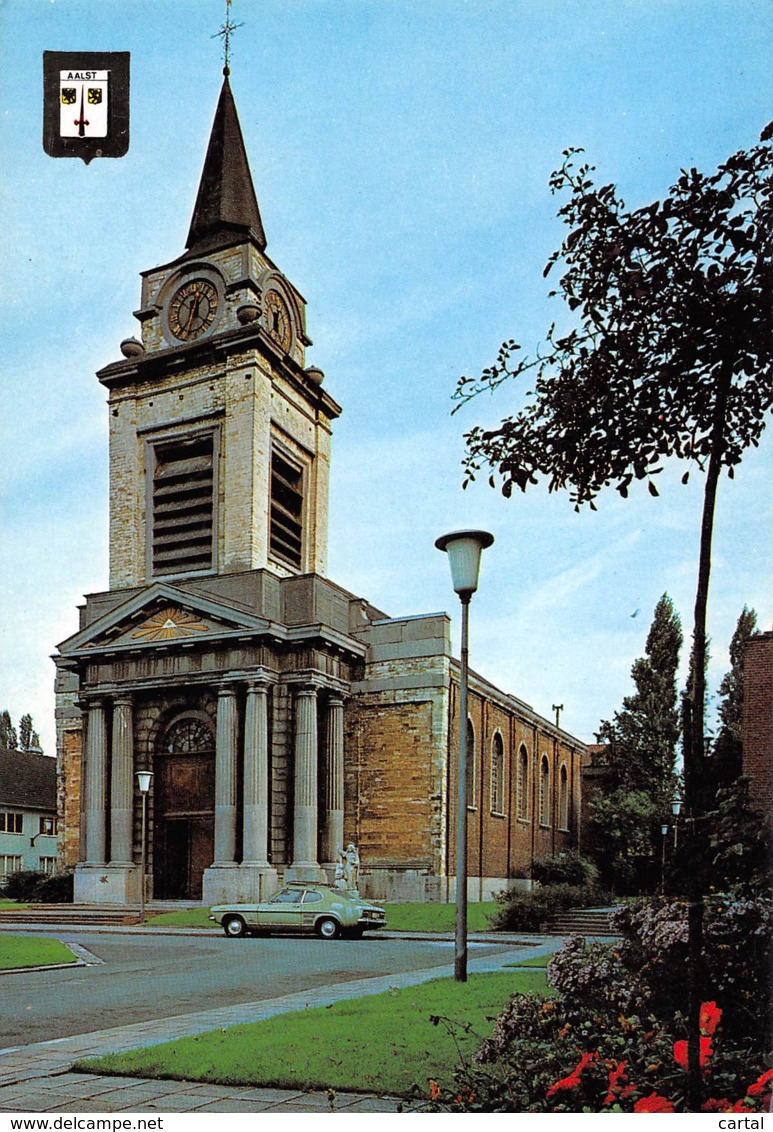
[347,873]
[351,863]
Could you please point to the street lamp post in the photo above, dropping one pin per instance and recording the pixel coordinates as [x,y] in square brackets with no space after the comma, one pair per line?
[664,834]
[144,778]
[676,806]
[464,551]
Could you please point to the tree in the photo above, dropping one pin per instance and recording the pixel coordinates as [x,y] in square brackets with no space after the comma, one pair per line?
[28,737]
[8,737]
[640,753]
[726,760]
[666,355]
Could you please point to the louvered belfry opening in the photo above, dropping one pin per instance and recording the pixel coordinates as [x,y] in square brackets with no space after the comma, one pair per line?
[286,535]
[183,506]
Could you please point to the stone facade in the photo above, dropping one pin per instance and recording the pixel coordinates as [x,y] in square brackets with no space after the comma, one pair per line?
[281,716]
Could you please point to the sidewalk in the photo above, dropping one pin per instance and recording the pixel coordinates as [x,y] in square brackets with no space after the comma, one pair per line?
[39,1078]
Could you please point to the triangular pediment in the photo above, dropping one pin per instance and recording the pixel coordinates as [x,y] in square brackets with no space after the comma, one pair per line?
[161,615]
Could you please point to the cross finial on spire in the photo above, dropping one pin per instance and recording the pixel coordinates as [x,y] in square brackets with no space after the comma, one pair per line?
[225,33]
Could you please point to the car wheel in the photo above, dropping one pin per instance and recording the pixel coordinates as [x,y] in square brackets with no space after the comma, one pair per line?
[234,927]
[326,928]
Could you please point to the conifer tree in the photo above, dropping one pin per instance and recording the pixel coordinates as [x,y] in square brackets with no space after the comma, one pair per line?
[726,759]
[8,737]
[28,737]
[640,755]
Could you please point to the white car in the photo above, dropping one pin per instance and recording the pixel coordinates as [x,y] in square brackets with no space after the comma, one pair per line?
[323,909]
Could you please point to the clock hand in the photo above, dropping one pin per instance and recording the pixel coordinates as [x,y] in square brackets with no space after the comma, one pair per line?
[192,309]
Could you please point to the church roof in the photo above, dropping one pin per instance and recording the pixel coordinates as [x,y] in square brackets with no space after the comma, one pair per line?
[226,206]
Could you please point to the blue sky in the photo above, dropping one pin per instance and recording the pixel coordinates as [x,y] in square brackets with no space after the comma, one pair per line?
[400,152]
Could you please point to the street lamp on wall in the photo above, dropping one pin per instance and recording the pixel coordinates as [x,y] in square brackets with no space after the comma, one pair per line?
[144,778]
[464,549]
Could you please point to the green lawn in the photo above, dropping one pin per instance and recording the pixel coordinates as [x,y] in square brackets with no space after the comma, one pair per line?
[437,917]
[31,951]
[185,918]
[400,917]
[383,1042]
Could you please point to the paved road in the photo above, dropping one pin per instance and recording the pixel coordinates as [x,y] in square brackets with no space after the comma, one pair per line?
[144,977]
[39,1077]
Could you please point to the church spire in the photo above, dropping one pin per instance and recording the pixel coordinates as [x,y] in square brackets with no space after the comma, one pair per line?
[226,206]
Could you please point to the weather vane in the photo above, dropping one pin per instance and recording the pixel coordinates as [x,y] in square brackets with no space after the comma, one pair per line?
[225,33]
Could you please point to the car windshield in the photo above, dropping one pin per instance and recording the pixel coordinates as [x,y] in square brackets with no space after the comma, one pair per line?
[287,896]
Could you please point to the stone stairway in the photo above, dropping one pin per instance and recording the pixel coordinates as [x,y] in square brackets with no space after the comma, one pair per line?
[582,921]
[85,915]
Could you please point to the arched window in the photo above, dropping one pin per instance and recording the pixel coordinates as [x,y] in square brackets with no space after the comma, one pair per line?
[188,736]
[522,783]
[497,774]
[471,784]
[544,791]
[563,798]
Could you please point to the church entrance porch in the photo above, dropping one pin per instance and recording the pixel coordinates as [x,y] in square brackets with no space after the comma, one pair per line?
[184,814]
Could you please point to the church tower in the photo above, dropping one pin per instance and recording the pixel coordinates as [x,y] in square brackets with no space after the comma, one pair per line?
[220,657]
[219,435]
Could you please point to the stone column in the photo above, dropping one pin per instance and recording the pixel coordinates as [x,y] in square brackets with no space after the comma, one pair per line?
[95,785]
[225,778]
[305,865]
[256,776]
[121,783]
[257,879]
[333,818]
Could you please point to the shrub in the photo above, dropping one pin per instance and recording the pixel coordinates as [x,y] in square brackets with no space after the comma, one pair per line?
[21,886]
[737,958]
[554,1056]
[526,911]
[33,885]
[614,1037]
[55,890]
[565,868]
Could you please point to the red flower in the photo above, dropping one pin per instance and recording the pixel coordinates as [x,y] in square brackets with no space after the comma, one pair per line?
[763,1084]
[710,1017]
[573,1079]
[616,1075]
[717,1104]
[680,1053]
[653,1103]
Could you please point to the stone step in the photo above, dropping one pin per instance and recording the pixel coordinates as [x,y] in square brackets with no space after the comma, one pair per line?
[582,921]
[70,914]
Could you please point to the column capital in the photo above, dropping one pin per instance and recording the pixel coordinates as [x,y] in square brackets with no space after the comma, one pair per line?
[86,703]
[336,699]
[226,690]
[259,684]
[310,690]
[123,699]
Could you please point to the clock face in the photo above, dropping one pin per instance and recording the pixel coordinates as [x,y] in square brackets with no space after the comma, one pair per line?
[193,309]
[276,319]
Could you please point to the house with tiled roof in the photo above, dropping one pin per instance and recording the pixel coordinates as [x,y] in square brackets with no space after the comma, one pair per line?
[28,828]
